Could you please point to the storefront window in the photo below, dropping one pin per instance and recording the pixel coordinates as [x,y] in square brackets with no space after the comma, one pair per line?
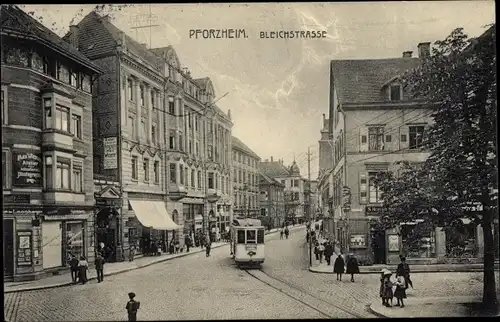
[74,239]
[460,239]
[418,240]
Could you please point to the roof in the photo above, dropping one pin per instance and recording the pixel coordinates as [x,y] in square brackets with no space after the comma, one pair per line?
[98,36]
[274,169]
[264,179]
[238,144]
[361,80]
[14,19]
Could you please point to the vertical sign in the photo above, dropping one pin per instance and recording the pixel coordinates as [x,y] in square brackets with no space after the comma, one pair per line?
[346,198]
[26,169]
[110,153]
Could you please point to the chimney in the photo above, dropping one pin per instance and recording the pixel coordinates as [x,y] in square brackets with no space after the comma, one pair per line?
[424,49]
[271,159]
[73,36]
[407,54]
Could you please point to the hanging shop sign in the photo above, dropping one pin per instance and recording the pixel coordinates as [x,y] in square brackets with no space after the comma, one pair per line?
[110,153]
[346,198]
[376,210]
[26,169]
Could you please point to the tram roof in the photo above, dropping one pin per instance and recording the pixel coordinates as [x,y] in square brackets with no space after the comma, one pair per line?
[247,222]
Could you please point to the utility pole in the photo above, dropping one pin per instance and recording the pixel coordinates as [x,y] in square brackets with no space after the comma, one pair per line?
[309,205]
[149,18]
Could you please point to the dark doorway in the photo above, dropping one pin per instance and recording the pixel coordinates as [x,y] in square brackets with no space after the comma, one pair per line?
[378,246]
[8,247]
[106,232]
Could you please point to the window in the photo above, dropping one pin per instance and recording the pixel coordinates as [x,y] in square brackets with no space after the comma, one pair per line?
[153,101]
[235,175]
[4,106]
[156,170]
[63,73]
[181,174]
[143,129]
[37,62]
[374,193]
[77,179]
[171,105]
[85,83]
[77,125]
[186,172]
[5,169]
[197,152]
[62,118]
[49,172]
[190,147]
[241,237]
[141,89]
[192,178]
[395,92]
[239,176]
[251,236]
[376,138]
[189,119]
[416,136]
[145,166]
[388,138]
[216,181]
[173,173]
[130,90]
[73,78]
[199,179]
[210,180]
[195,123]
[153,134]
[171,140]
[134,168]
[131,124]
[181,143]
[62,175]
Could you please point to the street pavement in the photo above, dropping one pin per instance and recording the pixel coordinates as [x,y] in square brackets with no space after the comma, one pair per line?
[197,287]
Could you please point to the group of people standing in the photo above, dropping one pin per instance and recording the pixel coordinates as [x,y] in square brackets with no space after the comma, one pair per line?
[351,267]
[80,267]
[284,231]
[390,288]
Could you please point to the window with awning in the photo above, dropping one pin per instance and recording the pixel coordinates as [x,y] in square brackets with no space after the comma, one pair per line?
[153,214]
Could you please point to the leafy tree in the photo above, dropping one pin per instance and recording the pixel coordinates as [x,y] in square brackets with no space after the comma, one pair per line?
[459,80]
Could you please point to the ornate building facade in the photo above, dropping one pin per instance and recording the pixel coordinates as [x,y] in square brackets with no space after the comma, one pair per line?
[46,149]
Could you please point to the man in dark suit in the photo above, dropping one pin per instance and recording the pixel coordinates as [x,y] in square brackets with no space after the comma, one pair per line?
[99,267]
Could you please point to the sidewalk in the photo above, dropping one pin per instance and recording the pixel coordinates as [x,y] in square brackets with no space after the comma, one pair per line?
[375,269]
[109,269]
[427,307]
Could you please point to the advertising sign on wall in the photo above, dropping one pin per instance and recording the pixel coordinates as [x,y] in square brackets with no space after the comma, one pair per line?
[393,242]
[26,169]
[110,153]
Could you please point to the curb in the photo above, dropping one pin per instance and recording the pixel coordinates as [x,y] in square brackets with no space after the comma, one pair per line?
[42,287]
[414,271]
[376,313]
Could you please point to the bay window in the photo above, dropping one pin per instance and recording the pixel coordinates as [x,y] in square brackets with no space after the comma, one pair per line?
[47,108]
[173,173]
[77,125]
[49,172]
[62,174]
[77,178]
[62,118]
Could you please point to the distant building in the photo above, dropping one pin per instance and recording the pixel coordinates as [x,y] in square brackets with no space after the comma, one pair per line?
[48,192]
[271,201]
[246,180]
[294,187]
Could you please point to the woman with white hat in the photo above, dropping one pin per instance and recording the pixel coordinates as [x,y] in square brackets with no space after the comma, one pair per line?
[386,288]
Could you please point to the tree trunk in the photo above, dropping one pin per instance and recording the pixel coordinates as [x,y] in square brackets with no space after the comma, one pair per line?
[490,301]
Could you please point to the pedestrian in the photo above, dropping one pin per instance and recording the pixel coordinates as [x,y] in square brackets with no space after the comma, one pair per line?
[400,292]
[281,234]
[352,266]
[187,241]
[208,246]
[83,267]
[177,246]
[338,267]
[307,236]
[99,267]
[73,264]
[287,232]
[131,253]
[132,307]
[328,252]
[321,250]
[403,269]
[387,285]
[316,250]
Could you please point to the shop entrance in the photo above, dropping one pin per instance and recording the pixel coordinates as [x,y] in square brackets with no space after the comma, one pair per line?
[8,247]
[106,232]
[378,246]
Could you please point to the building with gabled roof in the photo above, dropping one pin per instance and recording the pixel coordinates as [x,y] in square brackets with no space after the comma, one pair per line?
[47,166]
[372,123]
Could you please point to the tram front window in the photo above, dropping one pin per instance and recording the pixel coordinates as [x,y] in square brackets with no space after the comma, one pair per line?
[251,237]
[260,236]
[241,237]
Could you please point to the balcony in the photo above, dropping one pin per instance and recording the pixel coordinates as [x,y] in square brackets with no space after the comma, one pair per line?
[176,192]
[59,140]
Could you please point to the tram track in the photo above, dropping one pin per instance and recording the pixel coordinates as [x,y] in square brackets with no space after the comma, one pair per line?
[326,308]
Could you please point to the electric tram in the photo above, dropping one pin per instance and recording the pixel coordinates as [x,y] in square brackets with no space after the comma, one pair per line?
[247,242]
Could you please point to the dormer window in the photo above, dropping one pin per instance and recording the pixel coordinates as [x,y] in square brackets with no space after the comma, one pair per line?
[395,92]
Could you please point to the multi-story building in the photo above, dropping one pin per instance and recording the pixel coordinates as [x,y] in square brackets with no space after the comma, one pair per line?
[311,205]
[48,195]
[294,187]
[325,183]
[373,123]
[245,180]
[271,201]
[162,147]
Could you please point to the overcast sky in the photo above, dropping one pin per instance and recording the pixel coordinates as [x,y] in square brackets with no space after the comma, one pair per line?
[278,89]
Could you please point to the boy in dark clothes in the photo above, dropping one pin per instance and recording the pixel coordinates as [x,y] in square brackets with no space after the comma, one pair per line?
[132,307]
[74,268]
